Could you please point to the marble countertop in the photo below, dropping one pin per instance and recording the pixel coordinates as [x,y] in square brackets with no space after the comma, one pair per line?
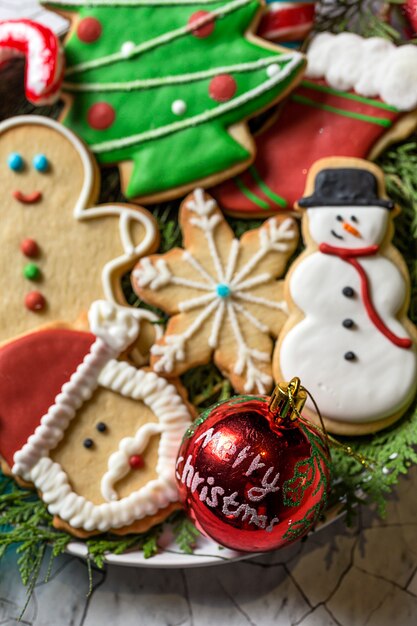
[366,575]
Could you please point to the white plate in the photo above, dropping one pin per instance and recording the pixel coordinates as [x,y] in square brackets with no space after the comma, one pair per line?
[206,553]
[170,556]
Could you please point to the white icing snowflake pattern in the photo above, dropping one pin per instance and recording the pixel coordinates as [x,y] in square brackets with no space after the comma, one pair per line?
[224,294]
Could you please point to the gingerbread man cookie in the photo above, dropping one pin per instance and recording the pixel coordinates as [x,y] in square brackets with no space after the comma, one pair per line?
[222,294]
[97,437]
[58,253]
[194,70]
[348,336]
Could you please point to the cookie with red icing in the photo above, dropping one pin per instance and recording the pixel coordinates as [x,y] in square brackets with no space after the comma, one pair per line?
[95,436]
[348,336]
[359,95]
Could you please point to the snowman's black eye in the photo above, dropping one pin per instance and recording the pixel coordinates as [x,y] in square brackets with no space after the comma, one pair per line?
[339,218]
[354,219]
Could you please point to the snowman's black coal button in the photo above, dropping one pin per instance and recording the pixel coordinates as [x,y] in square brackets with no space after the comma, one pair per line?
[348,323]
[350,356]
[348,292]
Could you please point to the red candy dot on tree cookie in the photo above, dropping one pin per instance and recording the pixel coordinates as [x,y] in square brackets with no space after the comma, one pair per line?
[202,31]
[222,88]
[88,30]
[101,115]
[35,301]
[30,248]
[136,461]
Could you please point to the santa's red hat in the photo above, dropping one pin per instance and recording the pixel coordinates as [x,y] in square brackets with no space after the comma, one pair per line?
[33,370]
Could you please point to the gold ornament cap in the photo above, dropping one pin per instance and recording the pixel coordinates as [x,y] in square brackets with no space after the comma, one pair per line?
[288,399]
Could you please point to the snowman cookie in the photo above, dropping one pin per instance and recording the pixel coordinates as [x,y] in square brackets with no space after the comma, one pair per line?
[96,436]
[58,252]
[348,336]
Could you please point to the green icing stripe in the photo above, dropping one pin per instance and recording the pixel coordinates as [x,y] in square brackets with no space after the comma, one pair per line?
[171,35]
[206,116]
[251,196]
[149,83]
[267,191]
[348,96]
[351,114]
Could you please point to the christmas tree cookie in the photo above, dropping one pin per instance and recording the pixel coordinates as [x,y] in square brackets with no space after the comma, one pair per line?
[163,89]
[222,294]
[95,436]
[360,96]
[348,336]
[58,251]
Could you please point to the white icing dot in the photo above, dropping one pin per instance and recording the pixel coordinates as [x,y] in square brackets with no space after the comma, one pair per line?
[127,48]
[178,107]
[273,69]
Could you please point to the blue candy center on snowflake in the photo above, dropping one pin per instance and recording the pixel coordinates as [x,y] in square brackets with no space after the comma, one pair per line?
[223,291]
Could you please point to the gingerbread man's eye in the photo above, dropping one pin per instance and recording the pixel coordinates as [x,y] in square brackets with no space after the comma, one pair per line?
[15,162]
[40,162]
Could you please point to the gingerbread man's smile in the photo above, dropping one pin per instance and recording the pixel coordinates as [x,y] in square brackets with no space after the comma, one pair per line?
[27,198]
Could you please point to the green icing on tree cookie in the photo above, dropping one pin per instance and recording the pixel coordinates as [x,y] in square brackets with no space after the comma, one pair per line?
[158,83]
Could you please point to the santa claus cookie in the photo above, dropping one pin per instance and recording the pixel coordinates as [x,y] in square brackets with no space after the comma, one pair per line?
[168,101]
[58,253]
[348,336]
[222,294]
[360,95]
[96,436]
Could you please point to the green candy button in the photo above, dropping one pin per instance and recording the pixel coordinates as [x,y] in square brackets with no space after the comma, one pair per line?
[31,271]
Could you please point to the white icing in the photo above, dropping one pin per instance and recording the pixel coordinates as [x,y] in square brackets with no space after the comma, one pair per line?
[272,69]
[126,213]
[383,377]
[372,67]
[127,48]
[179,107]
[118,463]
[274,236]
[116,326]
[43,71]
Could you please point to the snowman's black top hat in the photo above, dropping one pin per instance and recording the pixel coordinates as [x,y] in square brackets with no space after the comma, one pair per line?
[345,187]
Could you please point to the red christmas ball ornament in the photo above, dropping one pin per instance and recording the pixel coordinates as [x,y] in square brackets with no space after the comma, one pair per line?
[251,474]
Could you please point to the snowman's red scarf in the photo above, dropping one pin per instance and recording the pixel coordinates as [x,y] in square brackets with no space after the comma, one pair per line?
[349,256]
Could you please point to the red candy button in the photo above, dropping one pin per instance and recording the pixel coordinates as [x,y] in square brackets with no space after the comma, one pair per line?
[88,30]
[101,115]
[35,301]
[222,88]
[30,248]
[202,31]
[136,461]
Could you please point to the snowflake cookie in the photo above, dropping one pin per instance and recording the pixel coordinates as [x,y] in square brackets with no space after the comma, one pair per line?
[221,293]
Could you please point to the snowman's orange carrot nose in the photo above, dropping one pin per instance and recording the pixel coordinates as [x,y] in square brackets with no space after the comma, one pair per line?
[351,229]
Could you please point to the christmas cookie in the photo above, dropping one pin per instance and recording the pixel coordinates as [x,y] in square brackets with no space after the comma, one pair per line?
[58,252]
[348,336]
[360,96]
[43,53]
[167,100]
[222,294]
[285,21]
[96,436]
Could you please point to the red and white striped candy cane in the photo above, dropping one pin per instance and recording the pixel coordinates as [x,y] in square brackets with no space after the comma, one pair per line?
[44,57]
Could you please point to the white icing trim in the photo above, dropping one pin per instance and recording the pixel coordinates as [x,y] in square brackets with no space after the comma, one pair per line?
[173,419]
[116,326]
[126,214]
[177,79]
[372,67]
[294,59]
[156,274]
